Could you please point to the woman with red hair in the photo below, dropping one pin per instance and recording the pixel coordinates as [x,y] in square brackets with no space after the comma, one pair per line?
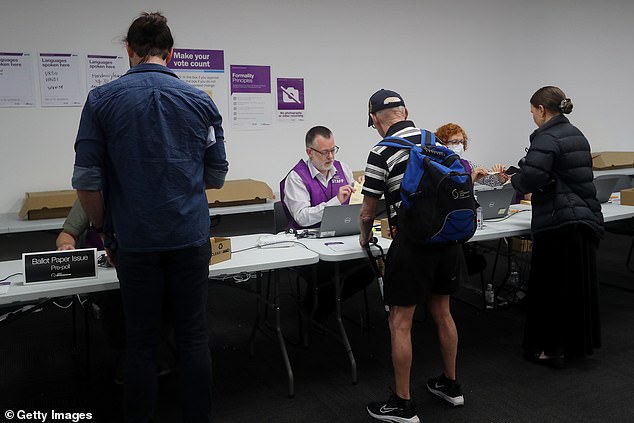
[455,138]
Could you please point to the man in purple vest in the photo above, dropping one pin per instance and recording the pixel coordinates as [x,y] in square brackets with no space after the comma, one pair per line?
[313,184]
[316,182]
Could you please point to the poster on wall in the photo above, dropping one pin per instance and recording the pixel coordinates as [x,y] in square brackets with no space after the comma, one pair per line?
[205,70]
[60,80]
[16,80]
[101,69]
[251,100]
[290,99]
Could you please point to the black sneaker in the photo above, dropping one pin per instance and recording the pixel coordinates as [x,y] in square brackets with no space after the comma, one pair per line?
[395,410]
[446,389]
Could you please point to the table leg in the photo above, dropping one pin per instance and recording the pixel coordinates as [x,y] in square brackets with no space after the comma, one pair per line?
[256,322]
[342,329]
[274,278]
[280,336]
[74,324]
[87,308]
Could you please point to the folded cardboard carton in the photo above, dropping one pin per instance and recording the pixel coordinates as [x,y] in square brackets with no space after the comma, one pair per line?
[239,192]
[521,245]
[385,228]
[627,197]
[220,249]
[603,160]
[47,204]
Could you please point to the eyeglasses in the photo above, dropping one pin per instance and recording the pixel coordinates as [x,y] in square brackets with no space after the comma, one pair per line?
[325,153]
[454,142]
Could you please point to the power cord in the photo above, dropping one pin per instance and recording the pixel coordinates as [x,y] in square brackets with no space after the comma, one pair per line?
[10,276]
[237,277]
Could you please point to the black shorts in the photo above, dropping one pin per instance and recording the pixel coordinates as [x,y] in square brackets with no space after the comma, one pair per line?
[414,272]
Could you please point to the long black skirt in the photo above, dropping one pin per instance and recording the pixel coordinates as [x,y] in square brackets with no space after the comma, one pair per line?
[562,302]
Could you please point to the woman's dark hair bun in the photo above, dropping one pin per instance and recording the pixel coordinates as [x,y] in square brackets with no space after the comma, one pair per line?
[565,106]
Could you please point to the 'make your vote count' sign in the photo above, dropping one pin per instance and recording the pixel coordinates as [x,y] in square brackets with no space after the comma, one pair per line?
[59,265]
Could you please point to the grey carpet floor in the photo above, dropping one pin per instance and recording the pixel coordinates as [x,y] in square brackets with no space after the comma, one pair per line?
[40,372]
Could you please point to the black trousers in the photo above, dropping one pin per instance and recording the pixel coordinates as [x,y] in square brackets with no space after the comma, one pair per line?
[181,277]
[562,304]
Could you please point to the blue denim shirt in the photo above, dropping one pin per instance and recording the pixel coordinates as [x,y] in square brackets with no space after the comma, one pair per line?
[151,142]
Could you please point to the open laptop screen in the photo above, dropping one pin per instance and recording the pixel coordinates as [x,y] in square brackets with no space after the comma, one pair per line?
[495,202]
[605,187]
[340,221]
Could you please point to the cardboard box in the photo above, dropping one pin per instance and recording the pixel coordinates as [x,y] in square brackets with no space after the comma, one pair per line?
[220,249]
[603,160]
[47,204]
[521,245]
[385,228]
[627,197]
[239,192]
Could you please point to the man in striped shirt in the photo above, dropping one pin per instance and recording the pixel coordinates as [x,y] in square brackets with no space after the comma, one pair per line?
[414,273]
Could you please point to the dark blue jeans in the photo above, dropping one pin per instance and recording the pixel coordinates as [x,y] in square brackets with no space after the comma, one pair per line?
[181,277]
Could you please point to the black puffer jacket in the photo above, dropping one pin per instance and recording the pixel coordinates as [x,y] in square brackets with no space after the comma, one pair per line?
[558,171]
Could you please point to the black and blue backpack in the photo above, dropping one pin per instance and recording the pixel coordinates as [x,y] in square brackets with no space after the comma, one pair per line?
[438,204]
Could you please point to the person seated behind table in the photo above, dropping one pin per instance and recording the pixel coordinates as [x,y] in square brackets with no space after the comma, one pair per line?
[76,231]
[456,139]
[313,184]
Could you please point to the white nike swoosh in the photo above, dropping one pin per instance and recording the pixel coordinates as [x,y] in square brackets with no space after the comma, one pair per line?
[385,409]
[437,386]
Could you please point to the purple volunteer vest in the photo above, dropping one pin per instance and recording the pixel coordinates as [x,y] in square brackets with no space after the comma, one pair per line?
[318,193]
[93,240]
[467,166]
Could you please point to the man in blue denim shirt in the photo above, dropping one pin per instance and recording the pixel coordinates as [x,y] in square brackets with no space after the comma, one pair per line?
[147,147]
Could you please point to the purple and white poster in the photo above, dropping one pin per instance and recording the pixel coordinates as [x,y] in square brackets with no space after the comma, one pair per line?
[60,79]
[101,69]
[251,100]
[205,70]
[16,80]
[290,99]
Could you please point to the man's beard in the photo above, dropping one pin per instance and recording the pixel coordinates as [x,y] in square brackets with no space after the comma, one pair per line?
[323,167]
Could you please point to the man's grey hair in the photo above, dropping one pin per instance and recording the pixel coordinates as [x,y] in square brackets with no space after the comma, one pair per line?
[316,131]
[391,115]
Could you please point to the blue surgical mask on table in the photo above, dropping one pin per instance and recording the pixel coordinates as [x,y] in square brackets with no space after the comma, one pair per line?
[456,148]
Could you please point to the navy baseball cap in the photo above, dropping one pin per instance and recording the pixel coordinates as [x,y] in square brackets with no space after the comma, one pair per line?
[383,99]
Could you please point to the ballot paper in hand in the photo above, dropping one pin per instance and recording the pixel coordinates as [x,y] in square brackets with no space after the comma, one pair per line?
[357,197]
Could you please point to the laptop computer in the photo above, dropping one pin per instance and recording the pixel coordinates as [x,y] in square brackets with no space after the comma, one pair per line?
[605,187]
[495,202]
[340,221]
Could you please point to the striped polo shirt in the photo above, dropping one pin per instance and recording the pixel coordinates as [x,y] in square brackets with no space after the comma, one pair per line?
[386,165]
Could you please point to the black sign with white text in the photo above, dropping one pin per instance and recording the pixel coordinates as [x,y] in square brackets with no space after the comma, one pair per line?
[59,265]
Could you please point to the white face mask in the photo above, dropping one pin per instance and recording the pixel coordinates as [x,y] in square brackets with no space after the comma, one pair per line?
[457,148]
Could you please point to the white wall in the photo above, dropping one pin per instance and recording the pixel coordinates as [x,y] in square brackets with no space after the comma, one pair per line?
[472,62]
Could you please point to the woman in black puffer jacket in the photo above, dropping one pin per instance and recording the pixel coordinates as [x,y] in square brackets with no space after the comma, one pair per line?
[562,319]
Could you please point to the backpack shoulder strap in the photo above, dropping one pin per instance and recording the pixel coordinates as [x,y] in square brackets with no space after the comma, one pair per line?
[427,138]
[397,142]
